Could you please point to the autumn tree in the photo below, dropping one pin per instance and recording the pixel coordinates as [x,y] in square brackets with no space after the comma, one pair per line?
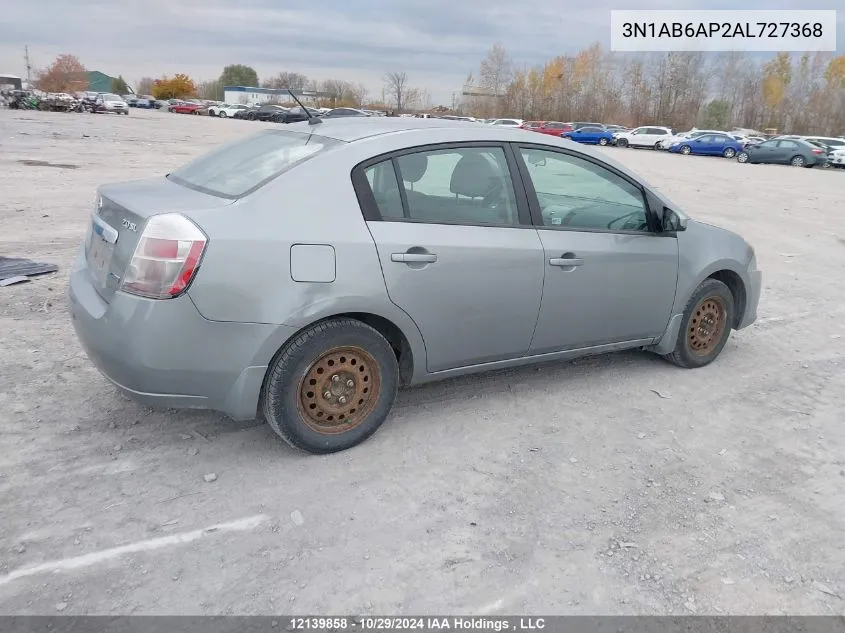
[777,75]
[238,75]
[396,86]
[179,86]
[118,85]
[65,74]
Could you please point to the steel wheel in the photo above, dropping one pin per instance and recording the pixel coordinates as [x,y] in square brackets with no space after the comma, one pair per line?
[339,390]
[706,325]
[797,161]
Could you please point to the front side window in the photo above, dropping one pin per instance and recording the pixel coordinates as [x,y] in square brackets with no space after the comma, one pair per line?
[788,144]
[238,168]
[462,185]
[579,194]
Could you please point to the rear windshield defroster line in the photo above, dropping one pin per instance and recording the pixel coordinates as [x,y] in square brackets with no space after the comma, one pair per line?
[243,166]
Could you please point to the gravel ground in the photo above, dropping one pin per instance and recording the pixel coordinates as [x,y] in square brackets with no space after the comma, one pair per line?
[610,485]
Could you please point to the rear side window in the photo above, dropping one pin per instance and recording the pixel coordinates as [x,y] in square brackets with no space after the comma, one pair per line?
[240,168]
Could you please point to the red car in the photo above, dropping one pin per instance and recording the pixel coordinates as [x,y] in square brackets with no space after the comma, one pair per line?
[185,108]
[554,128]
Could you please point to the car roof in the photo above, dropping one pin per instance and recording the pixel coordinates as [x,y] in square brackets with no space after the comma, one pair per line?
[351,129]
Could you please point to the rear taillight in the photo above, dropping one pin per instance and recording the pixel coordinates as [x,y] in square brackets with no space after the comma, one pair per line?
[166,258]
[818,151]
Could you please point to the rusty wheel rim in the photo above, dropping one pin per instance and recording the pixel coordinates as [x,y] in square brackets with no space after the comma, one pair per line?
[339,390]
[706,326]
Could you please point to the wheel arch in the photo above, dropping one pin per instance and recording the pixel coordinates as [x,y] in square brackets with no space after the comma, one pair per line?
[738,290]
[404,338]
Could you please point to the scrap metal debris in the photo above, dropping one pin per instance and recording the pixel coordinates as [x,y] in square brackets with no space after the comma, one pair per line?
[18,270]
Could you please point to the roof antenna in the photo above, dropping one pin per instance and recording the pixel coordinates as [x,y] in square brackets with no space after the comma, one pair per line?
[312,120]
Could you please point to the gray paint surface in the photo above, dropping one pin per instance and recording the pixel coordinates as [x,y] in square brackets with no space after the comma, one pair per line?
[493,298]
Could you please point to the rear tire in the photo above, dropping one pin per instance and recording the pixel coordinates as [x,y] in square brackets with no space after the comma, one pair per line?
[222,114]
[602,141]
[798,161]
[331,387]
[705,326]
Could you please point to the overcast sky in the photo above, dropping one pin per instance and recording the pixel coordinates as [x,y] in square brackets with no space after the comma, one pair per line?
[437,42]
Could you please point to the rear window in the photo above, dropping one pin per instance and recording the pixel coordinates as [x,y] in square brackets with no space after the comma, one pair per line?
[239,168]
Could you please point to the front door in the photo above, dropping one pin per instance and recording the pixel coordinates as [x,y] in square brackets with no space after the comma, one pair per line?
[609,279]
[456,252]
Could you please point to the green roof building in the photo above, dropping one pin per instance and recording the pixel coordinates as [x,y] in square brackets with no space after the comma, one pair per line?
[100,82]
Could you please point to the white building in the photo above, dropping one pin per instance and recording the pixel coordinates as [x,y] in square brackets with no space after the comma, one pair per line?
[247,95]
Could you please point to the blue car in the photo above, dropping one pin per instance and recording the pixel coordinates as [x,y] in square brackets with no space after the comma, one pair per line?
[590,136]
[708,145]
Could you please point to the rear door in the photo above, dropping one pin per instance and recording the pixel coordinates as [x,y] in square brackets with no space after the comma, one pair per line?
[609,277]
[787,150]
[766,152]
[639,137]
[457,249]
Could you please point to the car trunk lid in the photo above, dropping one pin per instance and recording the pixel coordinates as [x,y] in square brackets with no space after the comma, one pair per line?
[119,217]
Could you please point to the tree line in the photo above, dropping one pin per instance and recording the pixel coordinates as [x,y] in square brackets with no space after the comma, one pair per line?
[68,74]
[802,94]
[396,92]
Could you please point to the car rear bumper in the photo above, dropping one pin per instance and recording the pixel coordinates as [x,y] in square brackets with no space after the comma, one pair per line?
[165,354]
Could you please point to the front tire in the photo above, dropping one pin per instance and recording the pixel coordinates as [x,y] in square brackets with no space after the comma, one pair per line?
[686,150]
[331,387]
[742,157]
[602,141]
[622,142]
[729,152]
[222,114]
[705,326]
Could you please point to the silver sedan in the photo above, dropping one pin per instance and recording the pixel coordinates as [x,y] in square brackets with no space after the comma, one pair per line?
[304,275]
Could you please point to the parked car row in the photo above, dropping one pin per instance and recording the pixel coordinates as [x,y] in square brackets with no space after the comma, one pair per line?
[800,151]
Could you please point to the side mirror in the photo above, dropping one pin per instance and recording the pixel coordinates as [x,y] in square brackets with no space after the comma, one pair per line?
[672,221]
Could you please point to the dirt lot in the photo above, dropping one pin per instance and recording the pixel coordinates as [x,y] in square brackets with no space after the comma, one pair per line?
[574,488]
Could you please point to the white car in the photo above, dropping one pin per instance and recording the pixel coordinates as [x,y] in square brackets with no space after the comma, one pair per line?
[837,158]
[226,110]
[831,141]
[214,110]
[645,136]
[506,122]
[108,102]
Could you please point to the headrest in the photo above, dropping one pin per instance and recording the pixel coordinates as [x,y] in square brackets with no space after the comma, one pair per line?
[413,166]
[472,176]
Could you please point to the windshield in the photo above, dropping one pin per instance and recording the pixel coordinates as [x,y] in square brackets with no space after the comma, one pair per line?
[111,98]
[240,168]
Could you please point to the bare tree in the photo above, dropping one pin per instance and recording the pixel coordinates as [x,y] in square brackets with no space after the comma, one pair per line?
[359,93]
[396,87]
[144,86]
[496,71]
[294,81]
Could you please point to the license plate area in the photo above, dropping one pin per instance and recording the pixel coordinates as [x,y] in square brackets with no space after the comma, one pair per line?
[99,256]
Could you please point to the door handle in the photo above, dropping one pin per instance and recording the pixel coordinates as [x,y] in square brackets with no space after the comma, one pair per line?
[413,258]
[565,262]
